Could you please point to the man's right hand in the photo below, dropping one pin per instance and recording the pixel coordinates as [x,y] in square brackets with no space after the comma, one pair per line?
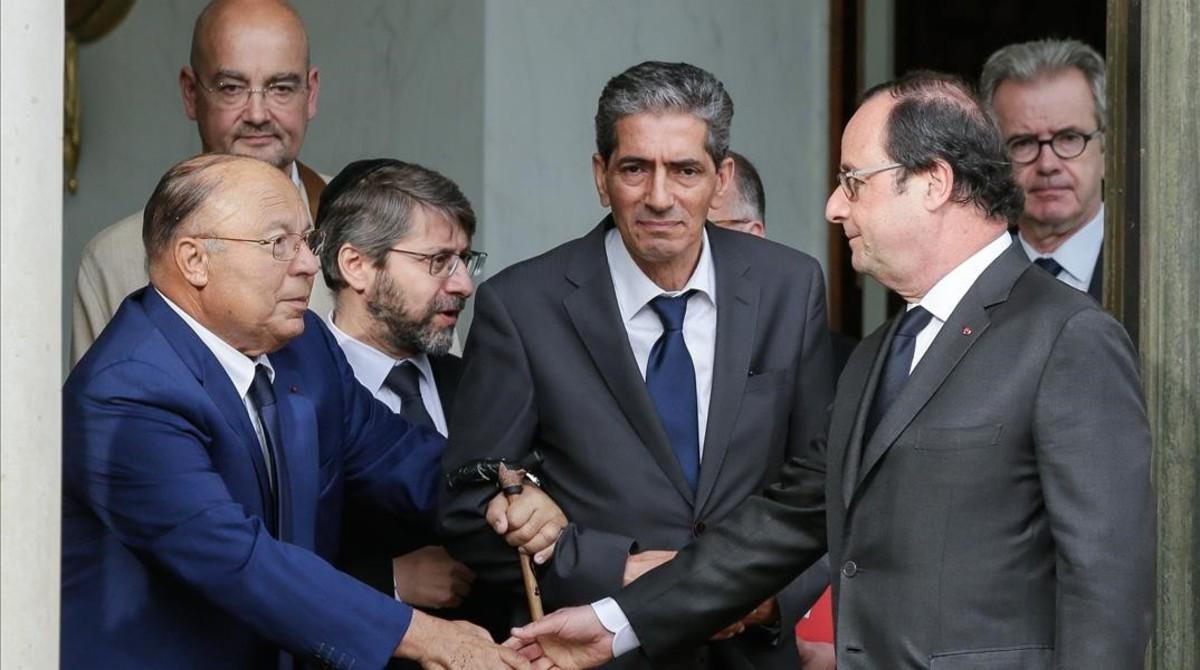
[429,577]
[438,644]
[569,639]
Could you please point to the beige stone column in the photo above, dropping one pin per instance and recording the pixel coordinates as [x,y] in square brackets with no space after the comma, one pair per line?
[31,76]
[1170,313]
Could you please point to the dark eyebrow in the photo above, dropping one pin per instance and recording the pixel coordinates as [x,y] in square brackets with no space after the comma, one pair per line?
[688,163]
[277,78]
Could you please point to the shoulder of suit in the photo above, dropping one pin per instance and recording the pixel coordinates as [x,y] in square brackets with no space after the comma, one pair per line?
[121,237]
[764,254]
[539,270]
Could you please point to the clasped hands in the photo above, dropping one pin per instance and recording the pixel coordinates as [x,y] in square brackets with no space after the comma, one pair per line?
[429,577]
[573,637]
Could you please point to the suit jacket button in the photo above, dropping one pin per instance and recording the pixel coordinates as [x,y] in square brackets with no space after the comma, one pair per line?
[849,569]
[698,530]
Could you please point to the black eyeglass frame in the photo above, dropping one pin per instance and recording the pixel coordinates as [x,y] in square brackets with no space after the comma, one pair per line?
[1052,140]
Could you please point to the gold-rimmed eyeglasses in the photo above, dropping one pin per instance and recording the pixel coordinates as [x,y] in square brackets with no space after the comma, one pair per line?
[850,180]
[284,247]
[444,264]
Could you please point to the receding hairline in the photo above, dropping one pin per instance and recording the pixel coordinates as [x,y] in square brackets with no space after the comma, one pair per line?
[215,11]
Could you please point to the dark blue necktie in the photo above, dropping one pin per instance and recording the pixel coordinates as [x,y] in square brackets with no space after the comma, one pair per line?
[262,396]
[671,381]
[405,381]
[1049,265]
[896,368]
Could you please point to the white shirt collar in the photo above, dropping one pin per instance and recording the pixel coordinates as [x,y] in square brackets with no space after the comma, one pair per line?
[635,290]
[945,295]
[237,365]
[1078,253]
[371,366]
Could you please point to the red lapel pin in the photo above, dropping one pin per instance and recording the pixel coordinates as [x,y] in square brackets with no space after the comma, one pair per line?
[966,330]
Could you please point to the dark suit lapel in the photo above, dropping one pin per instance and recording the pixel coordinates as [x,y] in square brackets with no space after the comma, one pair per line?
[737,314]
[961,331]
[592,309]
[196,355]
[856,388]
[1096,287]
[447,370]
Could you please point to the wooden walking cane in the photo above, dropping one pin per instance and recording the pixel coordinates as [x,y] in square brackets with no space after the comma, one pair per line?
[510,485]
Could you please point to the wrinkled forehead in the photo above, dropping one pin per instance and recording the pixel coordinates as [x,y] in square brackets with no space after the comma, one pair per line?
[256,202]
[865,137]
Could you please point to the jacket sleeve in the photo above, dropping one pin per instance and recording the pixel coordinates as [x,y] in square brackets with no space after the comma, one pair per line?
[135,454]
[1093,454]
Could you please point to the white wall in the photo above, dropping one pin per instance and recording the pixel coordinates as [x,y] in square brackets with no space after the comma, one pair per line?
[547,61]
[31,61]
[499,96]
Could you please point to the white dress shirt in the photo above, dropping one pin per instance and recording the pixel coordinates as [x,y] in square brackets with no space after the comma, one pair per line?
[635,291]
[240,369]
[371,367]
[1077,254]
[940,301]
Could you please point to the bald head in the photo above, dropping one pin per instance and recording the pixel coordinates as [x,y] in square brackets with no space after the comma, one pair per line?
[217,18]
[250,87]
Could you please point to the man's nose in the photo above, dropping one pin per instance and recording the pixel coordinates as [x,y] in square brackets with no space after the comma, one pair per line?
[837,207]
[256,111]
[658,191]
[460,282]
[305,262]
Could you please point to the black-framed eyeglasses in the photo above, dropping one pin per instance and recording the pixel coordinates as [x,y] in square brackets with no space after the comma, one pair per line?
[283,247]
[444,264]
[230,94]
[1066,144]
[850,180]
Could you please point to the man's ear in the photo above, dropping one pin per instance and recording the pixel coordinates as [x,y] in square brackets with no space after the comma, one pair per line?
[724,179]
[187,88]
[598,171]
[192,257]
[939,184]
[314,89]
[756,228]
[356,269]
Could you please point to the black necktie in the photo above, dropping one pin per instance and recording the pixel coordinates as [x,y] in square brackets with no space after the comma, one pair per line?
[671,381]
[1049,265]
[262,396]
[405,381]
[896,368]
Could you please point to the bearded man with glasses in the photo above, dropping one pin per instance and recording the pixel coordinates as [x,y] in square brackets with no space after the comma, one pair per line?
[251,90]
[1047,96]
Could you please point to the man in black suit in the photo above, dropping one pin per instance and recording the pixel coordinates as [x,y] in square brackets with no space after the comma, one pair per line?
[985,493]
[397,255]
[665,368]
[1047,96]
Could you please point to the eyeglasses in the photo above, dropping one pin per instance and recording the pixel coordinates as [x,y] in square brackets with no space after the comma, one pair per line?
[732,222]
[283,247]
[850,179]
[1066,144]
[236,95]
[445,263]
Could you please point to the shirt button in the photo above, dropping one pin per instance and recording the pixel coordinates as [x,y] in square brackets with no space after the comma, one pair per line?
[849,569]
[698,530]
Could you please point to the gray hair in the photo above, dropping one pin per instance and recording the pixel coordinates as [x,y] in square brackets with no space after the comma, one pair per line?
[657,87]
[1029,60]
[748,188]
[370,206]
[179,195]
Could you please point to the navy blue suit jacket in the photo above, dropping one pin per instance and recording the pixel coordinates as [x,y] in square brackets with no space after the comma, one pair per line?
[166,559]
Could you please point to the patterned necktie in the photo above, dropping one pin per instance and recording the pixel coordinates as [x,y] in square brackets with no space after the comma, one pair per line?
[405,381]
[1049,265]
[671,381]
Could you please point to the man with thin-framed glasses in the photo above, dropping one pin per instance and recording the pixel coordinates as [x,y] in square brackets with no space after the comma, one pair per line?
[1047,96]
[251,90]
[214,440]
[397,255]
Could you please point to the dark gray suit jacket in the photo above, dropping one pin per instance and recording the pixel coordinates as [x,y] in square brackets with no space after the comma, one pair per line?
[548,366]
[1003,516]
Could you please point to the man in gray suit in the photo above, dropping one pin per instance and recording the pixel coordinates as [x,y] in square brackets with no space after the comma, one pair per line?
[665,368]
[985,494]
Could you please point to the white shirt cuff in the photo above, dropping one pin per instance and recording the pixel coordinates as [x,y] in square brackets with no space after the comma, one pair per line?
[615,622]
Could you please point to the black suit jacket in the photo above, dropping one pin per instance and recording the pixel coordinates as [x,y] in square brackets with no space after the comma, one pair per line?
[1003,517]
[548,366]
